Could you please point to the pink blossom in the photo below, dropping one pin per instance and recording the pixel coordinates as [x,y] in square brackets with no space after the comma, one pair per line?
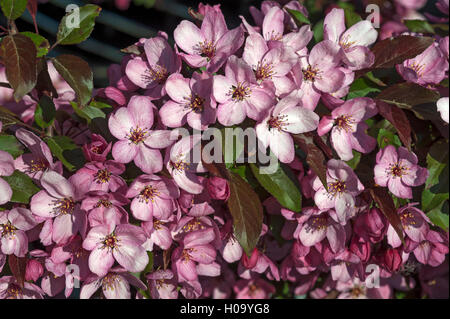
[137,141]
[121,243]
[34,270]
[428,68]
[211,45]
[286,118]
[191,102]
[151,73]
[59,201]
[162,285]
[343,187]
[431,250]
[239,95]
[153,196]
[348,128]
[104,208]
[115,284]
[253,289]
[13,225]
[218,188]
[398,170]
[6,169]
[354,42]
[10,289]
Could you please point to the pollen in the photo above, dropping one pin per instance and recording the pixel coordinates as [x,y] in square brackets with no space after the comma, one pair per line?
[344,122]
[148,194]
[310,74]
[156,74]
[103,203]
[193,225]
[196,103]
[38,165]
[277,122]
[8,230]
[264,71]
[418,68]
[137,135]
[345,44]
[110,241]
[337,188]
[207,49]
[63,206]
[240,92]
[109,281]
[102,176]
[397,170]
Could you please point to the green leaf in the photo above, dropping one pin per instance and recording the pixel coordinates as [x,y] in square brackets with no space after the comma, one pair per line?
[10,144]
[419,26]
[78,75]
[299,17]
[88,112]
[360,88]
[41,43]
[318,31]
[100,105]
[66,151]
[353,163]
[280,186]
[70,33]
[247,212]
[13,9]
[22,186]
[440,218]
[44,115]
[437,160]
[398,119]
[386,137]
[351,17]
[18,53]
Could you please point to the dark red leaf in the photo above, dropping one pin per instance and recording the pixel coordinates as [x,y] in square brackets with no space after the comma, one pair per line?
[247,212]
[32,8]
[407,95]
[18,53]
[398,119]
[387,206]
[18,267]
[314,156]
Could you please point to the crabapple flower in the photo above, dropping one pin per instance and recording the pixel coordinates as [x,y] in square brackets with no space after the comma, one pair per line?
[286,118]
[191,102]
[442,107]
[152,73]
[398,170]
[6,169]
[239,95]
[132,127]
[39,160]
[343,187]
[121,243]
[104,208]
[162,285]
[97,176]
[153,196]
[34,270]
[428,68]
[270,64]
[348,128]
[11,289]
[354,42]
[183,166]
[431,250]
[59,201]
[115,284]
[321,72]
[13,225]
[253,289]
[218,188]
[158,233]
[211,45]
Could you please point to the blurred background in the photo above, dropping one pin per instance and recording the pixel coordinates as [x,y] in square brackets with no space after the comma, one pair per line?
[122,22]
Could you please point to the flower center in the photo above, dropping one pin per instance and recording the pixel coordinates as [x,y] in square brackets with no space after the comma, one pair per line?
[345,44]
[179,165]
[148,194]
[310,74]
[193,225]
[196,103]
[185,255]
[37,165]
[156,74]
[277,122]
[418,68]
[102,176]
[358,291]
[336,188]
[8,230]
[240,92]
[264,71]
[110,241]
[109,280]
[407,219]
[319,223]
[344,122]
[103,202]
[13,291]
[63,206]
[207,49]
[137,135]
[397,170]
[96,150]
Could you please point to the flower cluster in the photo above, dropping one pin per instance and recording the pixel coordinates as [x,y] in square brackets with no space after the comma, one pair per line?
[141,219]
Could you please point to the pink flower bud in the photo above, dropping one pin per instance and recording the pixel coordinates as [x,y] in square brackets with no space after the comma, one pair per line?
[34,270]
[97,150]
[218,188]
